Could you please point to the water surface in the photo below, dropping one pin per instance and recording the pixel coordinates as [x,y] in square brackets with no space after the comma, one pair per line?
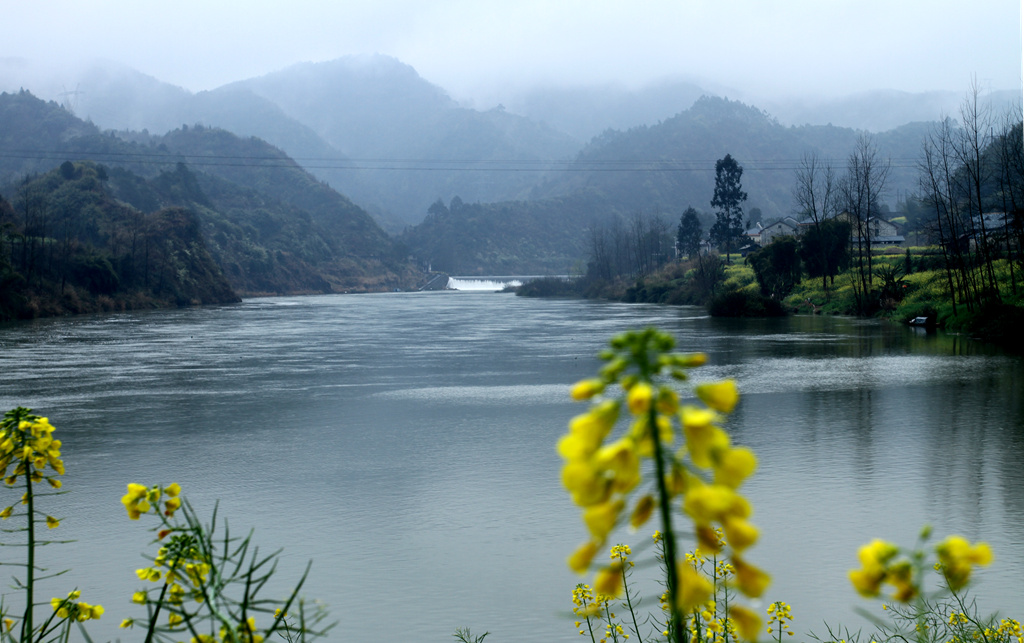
[405,443]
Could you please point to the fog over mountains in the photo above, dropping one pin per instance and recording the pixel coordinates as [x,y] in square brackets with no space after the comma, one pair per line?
[521,182]
[375,130]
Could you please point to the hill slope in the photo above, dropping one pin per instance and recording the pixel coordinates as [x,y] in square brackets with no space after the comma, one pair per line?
[280,230]
[71,247]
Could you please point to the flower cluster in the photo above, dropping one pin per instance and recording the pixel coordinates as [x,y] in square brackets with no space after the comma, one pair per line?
[68,609]
[779,614]
[27,442]
[182,567]
[885,563]
[698,466]
[584,605]
[140,499]
[1010,629]
[957,557]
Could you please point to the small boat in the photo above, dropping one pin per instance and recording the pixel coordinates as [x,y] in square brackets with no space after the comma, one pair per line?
[919,321]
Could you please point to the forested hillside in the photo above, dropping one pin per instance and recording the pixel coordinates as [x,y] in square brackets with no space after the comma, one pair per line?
[68,246]
[267,224]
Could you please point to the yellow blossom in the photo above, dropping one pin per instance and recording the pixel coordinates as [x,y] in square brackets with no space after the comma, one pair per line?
[52,523]
[135,500]
[694,588]
[642,512]
[739,533]
[580,559]
[608,581]
[750,580]
[586,389]
[957,557]
[721,396]
[600,519]
[639,398]
[734,466]
[747,622]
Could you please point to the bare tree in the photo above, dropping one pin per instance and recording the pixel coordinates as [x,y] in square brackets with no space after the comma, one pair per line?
[859,193]
[815,195]
[975,136]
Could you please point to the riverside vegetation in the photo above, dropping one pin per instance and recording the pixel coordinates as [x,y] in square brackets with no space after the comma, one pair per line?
[203,584]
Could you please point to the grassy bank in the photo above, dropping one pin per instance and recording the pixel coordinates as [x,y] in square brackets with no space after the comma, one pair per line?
[733,291]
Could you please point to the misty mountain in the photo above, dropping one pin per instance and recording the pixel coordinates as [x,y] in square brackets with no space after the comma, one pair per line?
[270,225]
[586,111]
[881,111]
[410,142]
[654,170]
[670,165]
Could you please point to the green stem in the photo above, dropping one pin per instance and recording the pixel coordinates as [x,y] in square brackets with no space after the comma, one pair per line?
[27,626]
[608,618]
[590,627]
[676,626]
[629,602]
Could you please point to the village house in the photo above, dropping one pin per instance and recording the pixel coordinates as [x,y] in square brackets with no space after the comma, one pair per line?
[785,227]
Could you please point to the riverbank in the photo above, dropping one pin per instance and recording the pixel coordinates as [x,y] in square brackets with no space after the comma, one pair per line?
[733,291]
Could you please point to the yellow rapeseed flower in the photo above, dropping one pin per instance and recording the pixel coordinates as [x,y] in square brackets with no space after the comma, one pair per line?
[739,533]
[721,396]
[748,623]
[694,588]
[52,523]
[581,558]
[638,400]
[586,389]
[957,557]
[642,512]
[600,519]
[734,466]
[608,581]
[136,501]
[750,580]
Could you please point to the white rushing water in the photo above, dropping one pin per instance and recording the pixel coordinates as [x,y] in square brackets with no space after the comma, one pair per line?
[489,284]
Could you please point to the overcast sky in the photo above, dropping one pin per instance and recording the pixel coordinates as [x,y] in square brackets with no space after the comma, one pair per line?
[471,47]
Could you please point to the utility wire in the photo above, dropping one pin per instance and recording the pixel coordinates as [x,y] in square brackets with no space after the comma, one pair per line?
[433,165]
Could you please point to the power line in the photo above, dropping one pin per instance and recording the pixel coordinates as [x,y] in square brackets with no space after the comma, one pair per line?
[433,165]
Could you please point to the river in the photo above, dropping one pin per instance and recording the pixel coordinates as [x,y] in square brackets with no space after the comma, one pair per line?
[405,443]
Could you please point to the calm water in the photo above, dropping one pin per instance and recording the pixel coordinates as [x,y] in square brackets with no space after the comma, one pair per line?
[405,443]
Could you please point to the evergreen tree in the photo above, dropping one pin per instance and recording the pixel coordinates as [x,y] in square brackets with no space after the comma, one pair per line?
[689,233]
[727,201]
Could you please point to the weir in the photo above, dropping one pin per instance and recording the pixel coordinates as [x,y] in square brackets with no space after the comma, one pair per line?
[485,284]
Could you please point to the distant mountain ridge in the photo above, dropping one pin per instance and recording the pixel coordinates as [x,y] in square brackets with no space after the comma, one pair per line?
[375,130]
[372,129]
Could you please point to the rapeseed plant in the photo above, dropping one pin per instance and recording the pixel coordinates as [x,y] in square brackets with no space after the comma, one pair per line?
[27,444]
[208,585]
[697,469]
[207,588]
